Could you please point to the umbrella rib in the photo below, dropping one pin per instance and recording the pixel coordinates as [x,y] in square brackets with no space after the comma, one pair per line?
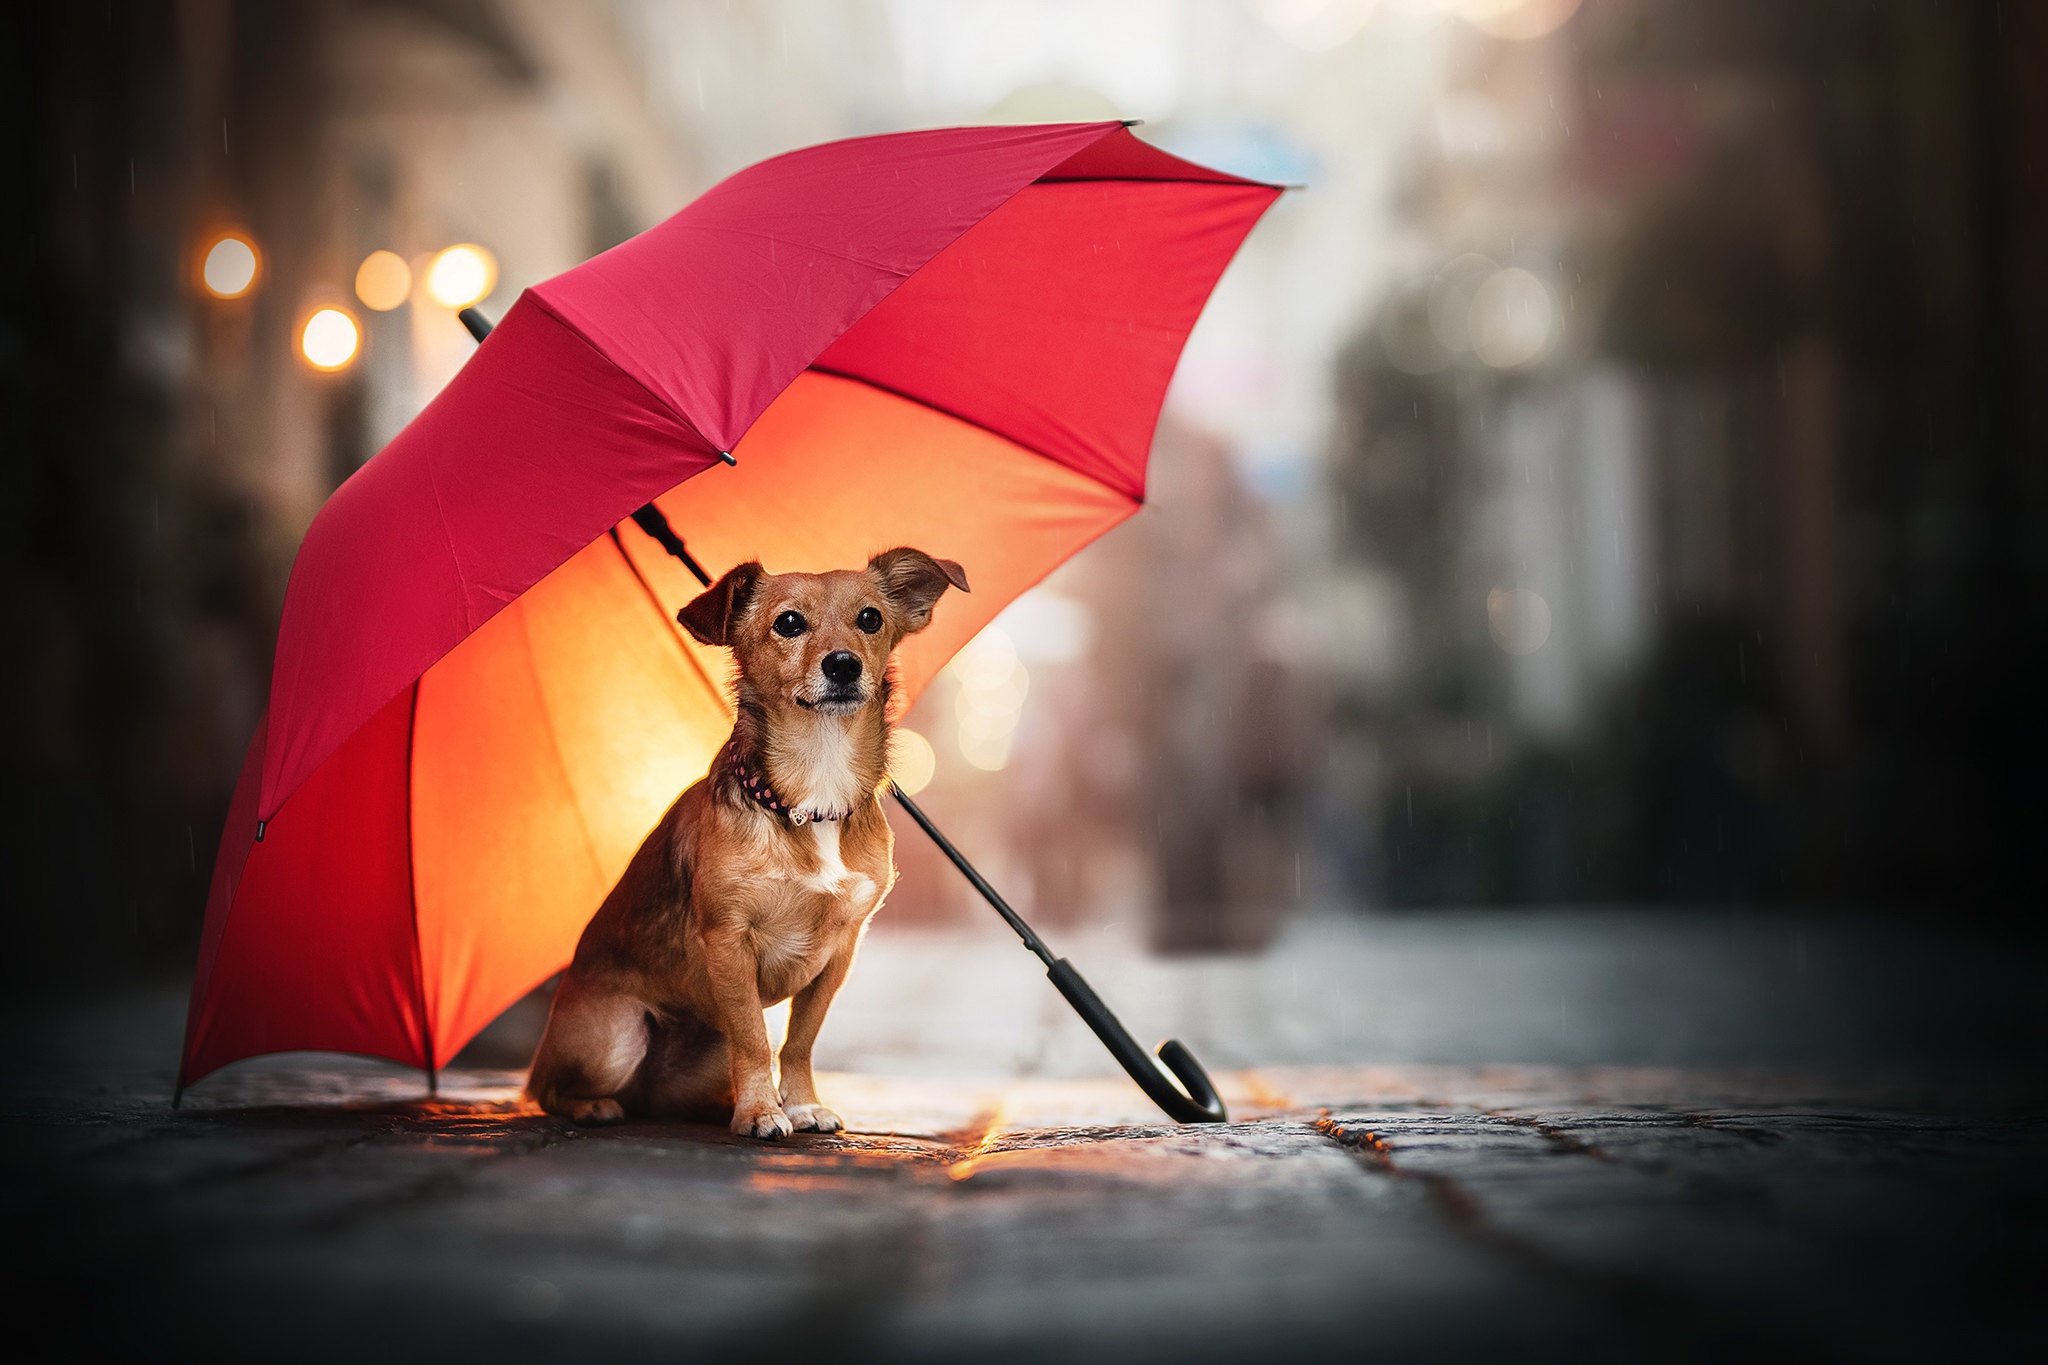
[661,610]
[688,422]
[412,886]
[561,756]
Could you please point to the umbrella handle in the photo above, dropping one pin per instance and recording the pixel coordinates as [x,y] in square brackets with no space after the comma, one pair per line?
[1200,1103]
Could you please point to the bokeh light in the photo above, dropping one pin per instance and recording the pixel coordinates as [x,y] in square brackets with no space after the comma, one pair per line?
[230,267]
[1510,319]
[461,275]
[912,760]
[993,685]
[1048,627]
[383,281]
[1317,25]
[1518,20]
[329,339]
[1518,619]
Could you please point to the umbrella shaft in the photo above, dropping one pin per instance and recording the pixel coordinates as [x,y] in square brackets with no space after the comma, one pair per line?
[974,877]
[650,520]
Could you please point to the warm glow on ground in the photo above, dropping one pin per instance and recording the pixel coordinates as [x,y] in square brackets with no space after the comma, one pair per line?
[383,281]
[329,339]
[461,275]
[230,268]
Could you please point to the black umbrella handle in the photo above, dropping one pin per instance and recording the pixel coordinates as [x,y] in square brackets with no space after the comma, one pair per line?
[1199,1104]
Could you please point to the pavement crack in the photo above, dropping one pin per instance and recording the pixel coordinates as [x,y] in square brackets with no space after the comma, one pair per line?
[1452,1199]
[1557,1138]
[1641,1300]
[1762,1137]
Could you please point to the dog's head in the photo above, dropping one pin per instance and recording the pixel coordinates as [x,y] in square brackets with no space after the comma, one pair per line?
[821,641]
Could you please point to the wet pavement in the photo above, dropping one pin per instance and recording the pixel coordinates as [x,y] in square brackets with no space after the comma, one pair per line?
[1552,1135]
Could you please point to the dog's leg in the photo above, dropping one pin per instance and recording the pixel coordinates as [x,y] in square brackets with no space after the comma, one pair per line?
[735,975]
[806,1017]
[587,1058]
[689,1070]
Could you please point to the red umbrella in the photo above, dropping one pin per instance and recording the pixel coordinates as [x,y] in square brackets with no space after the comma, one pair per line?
[957,339]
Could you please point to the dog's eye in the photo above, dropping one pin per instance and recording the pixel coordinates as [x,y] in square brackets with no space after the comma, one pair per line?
[789,625]
[869,620]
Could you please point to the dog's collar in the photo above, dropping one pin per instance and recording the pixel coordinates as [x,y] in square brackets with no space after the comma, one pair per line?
[757,786]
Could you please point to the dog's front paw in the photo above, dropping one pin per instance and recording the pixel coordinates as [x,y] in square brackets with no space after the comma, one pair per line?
[595,1113]
[814,1118]
[769,1123]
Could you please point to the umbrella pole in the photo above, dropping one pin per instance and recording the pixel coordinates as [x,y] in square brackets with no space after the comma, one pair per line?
[1194,1099]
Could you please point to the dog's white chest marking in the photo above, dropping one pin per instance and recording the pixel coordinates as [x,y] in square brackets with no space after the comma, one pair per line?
[832,872]
[833,876]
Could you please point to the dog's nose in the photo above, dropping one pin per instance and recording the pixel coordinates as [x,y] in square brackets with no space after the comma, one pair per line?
[841,667]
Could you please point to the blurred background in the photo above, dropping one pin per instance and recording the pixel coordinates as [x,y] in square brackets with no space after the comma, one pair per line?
[1615,479]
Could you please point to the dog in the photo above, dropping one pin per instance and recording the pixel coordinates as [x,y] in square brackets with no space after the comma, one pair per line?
[758,883]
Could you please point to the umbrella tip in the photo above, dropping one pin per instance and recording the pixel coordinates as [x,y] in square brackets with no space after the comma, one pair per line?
[726,455]
[261,825]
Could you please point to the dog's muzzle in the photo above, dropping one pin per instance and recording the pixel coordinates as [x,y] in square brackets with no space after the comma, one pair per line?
[843,692]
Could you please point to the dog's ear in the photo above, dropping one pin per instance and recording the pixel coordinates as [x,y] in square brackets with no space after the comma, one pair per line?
[914,581]
[711,615]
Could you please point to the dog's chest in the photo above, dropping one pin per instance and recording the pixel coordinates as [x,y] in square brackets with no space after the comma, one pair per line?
[816,901]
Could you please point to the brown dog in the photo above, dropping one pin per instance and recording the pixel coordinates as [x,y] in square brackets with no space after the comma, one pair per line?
[756,886]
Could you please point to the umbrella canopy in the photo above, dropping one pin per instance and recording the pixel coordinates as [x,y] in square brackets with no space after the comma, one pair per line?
[957,339]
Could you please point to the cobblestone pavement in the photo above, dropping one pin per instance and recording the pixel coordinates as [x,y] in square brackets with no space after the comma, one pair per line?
[1000,1197]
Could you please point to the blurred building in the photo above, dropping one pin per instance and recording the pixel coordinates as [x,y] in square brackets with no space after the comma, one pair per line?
[1689,493]
[175,442]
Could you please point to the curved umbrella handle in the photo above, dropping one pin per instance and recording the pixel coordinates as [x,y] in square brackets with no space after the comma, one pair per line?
[1200,1104]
